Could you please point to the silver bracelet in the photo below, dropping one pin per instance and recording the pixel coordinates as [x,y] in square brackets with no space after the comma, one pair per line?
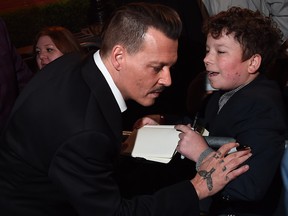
[203,155]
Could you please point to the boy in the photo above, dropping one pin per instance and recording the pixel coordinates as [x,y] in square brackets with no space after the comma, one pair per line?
[248,107]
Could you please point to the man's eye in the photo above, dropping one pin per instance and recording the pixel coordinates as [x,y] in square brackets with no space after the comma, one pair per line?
[49,50]
[221,52]
[157,69]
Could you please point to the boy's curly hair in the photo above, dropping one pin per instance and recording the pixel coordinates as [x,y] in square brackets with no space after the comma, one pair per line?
[256,33]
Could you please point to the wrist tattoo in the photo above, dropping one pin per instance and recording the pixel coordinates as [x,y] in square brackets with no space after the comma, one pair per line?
[203,155]
[207,175]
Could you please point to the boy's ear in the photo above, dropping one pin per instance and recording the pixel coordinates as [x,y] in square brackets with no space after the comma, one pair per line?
[117,57]
[254,63]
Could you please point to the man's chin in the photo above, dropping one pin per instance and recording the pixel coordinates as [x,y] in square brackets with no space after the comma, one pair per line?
[146,103]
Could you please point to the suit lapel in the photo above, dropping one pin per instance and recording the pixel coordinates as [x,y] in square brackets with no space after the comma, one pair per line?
[103,94]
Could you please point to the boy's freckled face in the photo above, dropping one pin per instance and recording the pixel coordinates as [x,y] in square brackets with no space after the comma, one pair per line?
[223,62]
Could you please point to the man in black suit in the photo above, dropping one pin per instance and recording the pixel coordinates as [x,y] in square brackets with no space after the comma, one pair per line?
[59,150]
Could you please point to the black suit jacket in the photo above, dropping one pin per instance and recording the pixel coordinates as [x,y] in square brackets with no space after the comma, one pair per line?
[60,147]
[255,117]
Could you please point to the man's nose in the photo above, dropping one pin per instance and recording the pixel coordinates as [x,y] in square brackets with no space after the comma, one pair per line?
[166,79]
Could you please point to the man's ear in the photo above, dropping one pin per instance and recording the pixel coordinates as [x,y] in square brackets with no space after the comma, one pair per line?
[254,63]
[117,57]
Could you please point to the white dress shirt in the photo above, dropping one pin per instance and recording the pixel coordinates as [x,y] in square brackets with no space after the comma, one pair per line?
[117,94]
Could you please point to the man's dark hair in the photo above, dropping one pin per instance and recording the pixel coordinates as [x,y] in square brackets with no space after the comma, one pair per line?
[129,23]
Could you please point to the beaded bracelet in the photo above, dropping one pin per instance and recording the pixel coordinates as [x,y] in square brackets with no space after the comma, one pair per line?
[203,155]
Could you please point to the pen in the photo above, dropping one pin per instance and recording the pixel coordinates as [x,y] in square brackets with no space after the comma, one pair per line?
[194,122]
[193,128]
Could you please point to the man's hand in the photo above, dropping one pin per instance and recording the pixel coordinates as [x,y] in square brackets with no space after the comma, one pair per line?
[218,169]
[191,144]
[148,120]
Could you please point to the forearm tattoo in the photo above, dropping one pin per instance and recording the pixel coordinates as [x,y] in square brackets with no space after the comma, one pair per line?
[207,175]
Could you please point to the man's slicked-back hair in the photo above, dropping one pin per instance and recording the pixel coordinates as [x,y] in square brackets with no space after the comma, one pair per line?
[129,23]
